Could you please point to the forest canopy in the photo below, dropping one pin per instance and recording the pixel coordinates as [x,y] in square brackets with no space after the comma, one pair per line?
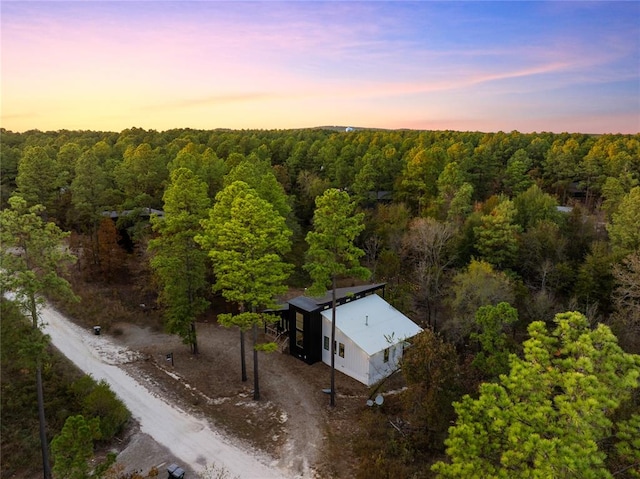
[481,238]
[553,212]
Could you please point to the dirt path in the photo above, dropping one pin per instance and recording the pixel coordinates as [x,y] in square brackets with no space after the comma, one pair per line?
[283,431]
[188,437]
[213,385]
[303,408]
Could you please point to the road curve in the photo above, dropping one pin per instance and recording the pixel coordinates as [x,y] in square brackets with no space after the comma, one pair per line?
[189,438]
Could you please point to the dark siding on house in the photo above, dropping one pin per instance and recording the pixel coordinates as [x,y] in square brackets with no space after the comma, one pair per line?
[305,321]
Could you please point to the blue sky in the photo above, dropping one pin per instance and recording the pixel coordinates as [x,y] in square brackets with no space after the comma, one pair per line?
[488,66]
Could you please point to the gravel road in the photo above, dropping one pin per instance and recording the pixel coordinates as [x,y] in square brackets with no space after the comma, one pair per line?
[167,433]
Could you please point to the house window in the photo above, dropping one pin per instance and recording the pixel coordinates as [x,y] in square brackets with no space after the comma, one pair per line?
[335,349]
[299,329]
[341,350]
[326,343]
[386,355]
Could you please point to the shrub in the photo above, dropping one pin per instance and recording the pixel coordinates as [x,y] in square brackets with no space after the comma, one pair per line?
[101,402]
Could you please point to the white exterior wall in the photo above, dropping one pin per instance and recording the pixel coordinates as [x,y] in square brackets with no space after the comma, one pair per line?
[355,362]
[378,369]
[366,326]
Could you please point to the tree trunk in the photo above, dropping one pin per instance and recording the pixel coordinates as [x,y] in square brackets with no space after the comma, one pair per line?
[46,467]
[44,444]
[256,385]
[194,339]
[333,342]
[242,360]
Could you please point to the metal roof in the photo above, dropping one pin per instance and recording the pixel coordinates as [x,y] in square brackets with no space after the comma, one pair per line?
[140,211]
[308,303]
[372,323]
[304,302]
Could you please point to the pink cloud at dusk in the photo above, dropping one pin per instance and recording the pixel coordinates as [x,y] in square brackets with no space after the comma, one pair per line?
[424,65]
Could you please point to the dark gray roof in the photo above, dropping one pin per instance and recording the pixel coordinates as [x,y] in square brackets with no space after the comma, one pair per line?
[308,303]
[304,302]
[140,211]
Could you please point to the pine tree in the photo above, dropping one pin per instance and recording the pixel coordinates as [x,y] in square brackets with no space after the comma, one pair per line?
[550,414]
[332,252]
[73,447]
[245,237]
[179,262]
[31,256]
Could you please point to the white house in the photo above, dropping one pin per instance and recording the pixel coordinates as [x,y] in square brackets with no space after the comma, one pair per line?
[370,338]
[370,333]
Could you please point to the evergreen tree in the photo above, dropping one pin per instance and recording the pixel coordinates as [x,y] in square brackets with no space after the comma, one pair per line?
[461,204]
[206,165]
[497,236]
[178,260]
[89,193]
[141,175]
[493,359]
[533,206]
[73,447]
[418,182]
[549,415]
[37,178]
[32,254]
[624,229]
[450,181]
[516,180]
[259,175]
[594,282]
[332,252]
[245,237]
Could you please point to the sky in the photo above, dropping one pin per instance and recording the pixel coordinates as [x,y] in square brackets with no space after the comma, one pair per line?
[564,66]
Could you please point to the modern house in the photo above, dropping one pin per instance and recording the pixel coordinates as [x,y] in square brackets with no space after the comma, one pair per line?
[370,333]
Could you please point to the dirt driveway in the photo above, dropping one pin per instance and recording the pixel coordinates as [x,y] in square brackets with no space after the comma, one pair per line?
[292,422]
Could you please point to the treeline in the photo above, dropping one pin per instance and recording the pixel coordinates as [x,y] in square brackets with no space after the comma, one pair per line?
[439,204]
[482,238]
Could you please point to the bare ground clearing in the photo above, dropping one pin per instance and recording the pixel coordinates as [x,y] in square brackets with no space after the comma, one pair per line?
[292,421]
